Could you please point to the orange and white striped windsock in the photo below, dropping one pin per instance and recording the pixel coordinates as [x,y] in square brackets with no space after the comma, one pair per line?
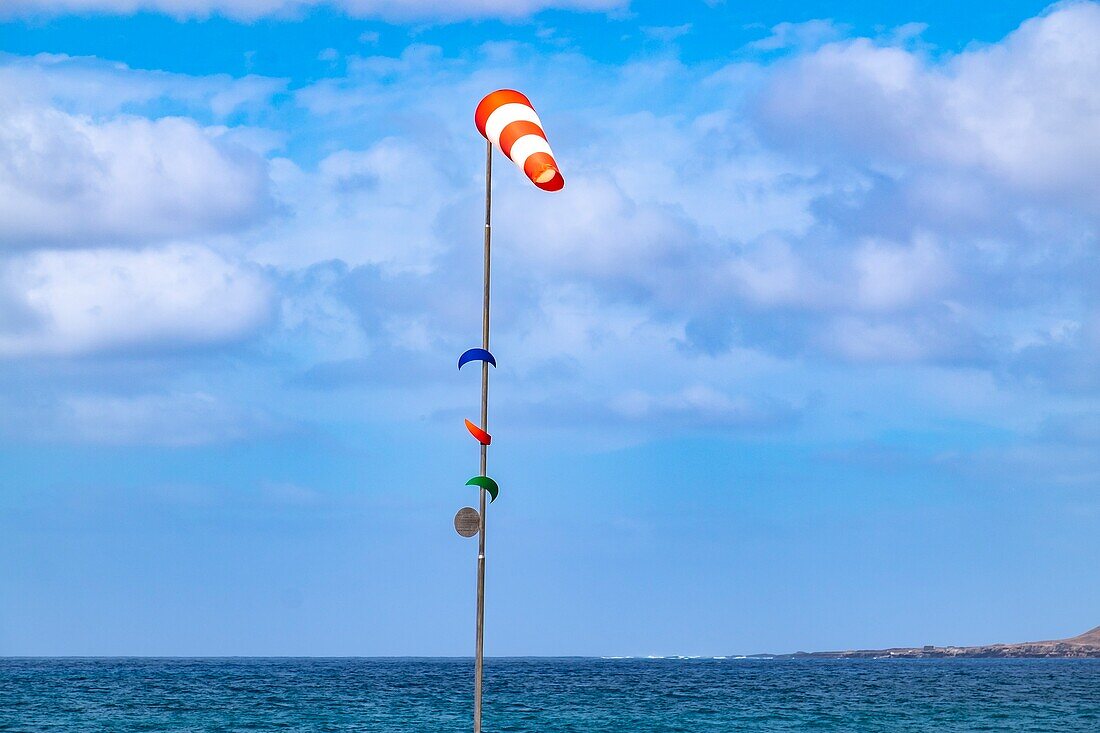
[507,119]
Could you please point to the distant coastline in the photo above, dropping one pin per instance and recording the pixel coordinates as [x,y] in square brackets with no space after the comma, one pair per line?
[1085,645]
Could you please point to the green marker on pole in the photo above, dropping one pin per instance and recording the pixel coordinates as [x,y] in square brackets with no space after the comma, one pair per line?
[486,483]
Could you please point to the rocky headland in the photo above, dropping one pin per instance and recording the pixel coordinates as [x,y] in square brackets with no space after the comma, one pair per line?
[1084,645]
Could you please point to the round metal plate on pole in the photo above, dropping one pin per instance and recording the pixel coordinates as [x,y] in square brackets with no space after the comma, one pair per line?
[467,521]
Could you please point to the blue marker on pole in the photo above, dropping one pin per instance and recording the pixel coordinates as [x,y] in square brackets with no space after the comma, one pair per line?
[476,355]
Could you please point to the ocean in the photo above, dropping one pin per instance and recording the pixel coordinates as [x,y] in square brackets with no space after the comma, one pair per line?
[545,695]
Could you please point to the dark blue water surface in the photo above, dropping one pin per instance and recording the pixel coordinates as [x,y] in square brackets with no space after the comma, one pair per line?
[547,695]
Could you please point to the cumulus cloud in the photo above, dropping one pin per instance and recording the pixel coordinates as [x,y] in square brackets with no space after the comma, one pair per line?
[68,180]
[97,87]
[95,198]
[400,10]
[807,34]
[863,230]
[376,205]
[1023,112]
[960,189]
[885,231]
[933,338]
[62,303]
[892,277]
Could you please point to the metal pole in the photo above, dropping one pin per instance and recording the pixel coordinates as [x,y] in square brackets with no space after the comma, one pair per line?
[480,643]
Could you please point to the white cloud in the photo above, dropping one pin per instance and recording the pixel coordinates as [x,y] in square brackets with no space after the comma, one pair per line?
[400,10]
[607,236]
[676,212]
[81,182]
[891,277]
[97,87]
[804,35]
[770,273]
[1024,112]
[77,302]
[684,217]
[861,340]
[72,181]
[377,205]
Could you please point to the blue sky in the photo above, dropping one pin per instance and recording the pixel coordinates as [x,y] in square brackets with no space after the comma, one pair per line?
[806,355]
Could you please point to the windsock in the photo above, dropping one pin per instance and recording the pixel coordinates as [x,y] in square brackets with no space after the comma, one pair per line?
[507,120]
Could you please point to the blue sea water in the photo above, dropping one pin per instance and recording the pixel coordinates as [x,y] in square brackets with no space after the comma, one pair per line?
[548,695]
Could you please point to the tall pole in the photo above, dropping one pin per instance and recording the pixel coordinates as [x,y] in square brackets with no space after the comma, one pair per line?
[480,643]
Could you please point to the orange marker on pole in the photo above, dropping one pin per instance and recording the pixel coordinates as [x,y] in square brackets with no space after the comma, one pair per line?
[482,437]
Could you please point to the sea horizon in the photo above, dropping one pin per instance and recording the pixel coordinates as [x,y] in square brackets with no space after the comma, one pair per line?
[487,657]
[550,695]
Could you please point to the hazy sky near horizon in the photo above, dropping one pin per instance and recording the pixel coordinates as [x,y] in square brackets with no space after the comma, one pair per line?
[805,356]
